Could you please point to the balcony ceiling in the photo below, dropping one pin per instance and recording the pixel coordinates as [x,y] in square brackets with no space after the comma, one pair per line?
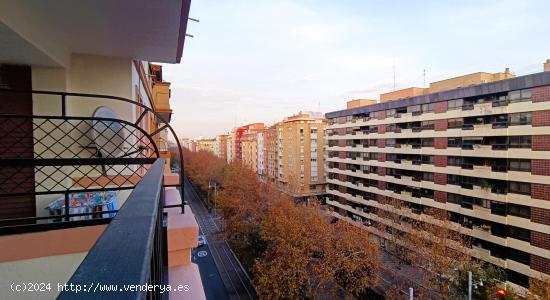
[46,32]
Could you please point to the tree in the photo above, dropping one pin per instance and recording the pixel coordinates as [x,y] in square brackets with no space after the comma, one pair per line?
[490,276]
[539,288]
[242,203]
[306,256]
[440,252]
[427,243]
[203,168]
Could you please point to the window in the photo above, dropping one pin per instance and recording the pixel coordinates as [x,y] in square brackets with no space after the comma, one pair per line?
[455,123]
[519,233]
[454,161]
[482,202]
[427,125]
[498,208]
[520,187]
[519,256]
[519,211]
[517,278]
[428,107]
[390,113]
[522,141]
[520,95]
[313,131]
[454,104]
[413,108]
[428,176]
[349,118]
[428,142]
[427,159]
[454,142]
[454,198]
[453,179]
[521,165]
[520,119]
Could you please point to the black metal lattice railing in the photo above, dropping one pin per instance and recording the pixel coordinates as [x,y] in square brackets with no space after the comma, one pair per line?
[131,252]
[58,155]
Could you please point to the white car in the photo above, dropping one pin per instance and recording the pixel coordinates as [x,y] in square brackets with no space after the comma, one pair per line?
[201,241]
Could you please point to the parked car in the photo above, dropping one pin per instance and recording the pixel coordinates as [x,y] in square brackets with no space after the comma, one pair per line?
[201,241]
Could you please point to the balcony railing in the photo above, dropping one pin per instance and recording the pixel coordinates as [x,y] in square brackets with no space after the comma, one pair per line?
[69,155]
[499,147]
[132,250]
[468,127]
[498,125]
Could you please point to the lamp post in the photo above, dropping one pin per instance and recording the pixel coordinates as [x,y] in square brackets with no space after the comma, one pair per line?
[472,285]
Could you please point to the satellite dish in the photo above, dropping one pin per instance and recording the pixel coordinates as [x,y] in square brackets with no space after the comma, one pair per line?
[108,136]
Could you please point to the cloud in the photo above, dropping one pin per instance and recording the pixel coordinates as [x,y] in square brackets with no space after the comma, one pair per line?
[263,60]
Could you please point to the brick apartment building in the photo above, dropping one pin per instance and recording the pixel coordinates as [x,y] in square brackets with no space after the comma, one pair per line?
[476,146]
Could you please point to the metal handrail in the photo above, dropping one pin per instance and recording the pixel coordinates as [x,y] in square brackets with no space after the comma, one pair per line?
[58,161]
[138,234]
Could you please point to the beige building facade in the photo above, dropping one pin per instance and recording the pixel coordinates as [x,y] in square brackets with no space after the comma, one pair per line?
[220,146]
[300,158]
[205,145]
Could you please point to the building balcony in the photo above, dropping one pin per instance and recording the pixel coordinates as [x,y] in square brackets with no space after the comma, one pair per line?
[161,100]
[92,197]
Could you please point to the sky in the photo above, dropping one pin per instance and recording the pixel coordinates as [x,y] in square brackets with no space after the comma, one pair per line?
[259,61]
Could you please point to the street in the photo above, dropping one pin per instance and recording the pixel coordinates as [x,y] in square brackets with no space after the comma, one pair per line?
[236,282]
[211,280]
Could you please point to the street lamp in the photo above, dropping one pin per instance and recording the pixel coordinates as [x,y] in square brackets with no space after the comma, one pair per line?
[472,285]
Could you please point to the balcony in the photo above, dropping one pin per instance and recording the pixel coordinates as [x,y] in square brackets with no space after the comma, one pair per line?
[467,106]
[467,166]
[96,184]
[502,147]
[468,127]
[161,100]
[498,125]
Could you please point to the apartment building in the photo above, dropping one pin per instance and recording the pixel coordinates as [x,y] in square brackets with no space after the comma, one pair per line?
[160,92]
[252,145]
[188,144]
[83,180]
[299,154]
[476,146]
[262,154]
[220,146]
[240,133]
[271,155]
[205,145]
[231,140]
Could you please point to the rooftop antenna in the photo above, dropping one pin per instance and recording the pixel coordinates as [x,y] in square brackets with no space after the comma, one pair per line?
[394,74]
